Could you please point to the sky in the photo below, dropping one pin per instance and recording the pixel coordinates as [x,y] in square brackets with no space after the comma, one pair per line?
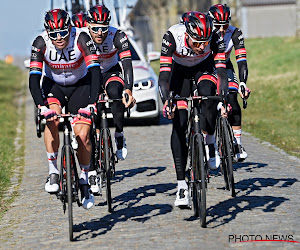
[20,25]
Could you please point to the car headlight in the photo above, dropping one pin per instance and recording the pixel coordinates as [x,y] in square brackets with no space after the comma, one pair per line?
[143,84]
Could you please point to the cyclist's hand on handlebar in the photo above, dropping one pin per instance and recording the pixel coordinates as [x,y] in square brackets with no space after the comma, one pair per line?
[49,114]
[247,91]
[84,113]
[167,112]
[131,100]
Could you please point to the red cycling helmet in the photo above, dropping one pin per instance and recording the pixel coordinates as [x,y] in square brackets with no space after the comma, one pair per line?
[184,16]
[99,14]
[56,20]
[220,13]
[79,20]
[199,26]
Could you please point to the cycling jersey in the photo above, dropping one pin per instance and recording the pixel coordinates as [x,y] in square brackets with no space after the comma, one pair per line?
[175,48]
[234,38]
[65,67]
[115,46]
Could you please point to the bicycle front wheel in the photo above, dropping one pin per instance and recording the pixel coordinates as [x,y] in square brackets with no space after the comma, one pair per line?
[199,175]
[107,168]
[67,162]
[228,157]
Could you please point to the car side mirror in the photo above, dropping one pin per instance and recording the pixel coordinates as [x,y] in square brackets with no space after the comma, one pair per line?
[153,56]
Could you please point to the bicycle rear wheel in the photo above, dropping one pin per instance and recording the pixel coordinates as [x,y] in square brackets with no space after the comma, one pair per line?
[199,175]
[228,154]
[67,163]
[107,168]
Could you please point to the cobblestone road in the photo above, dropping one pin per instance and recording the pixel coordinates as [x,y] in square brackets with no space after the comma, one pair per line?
[267,202]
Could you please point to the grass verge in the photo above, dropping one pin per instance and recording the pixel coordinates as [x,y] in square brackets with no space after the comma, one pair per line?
[12,92]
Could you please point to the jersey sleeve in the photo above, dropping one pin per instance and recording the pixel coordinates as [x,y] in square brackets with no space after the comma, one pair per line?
[122,44]
[36,67]
[218,48]
[167,49]
[240,54]
[88,50]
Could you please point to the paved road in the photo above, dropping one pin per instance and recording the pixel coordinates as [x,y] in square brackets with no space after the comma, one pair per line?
[267,202]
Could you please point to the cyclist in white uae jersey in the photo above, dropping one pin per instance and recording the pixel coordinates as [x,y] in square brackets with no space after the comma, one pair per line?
[187,52]
[233,37]
[67,55]
[111,45]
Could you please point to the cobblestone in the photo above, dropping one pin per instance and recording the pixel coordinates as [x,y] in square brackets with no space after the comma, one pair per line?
[143,190]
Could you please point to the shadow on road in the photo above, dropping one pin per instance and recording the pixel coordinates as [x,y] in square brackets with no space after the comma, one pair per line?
[124,210]
[122,174]
[227,210]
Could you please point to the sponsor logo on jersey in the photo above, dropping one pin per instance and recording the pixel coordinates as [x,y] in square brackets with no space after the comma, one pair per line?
[89,42]
[35,49]
[166,42]
[123,39]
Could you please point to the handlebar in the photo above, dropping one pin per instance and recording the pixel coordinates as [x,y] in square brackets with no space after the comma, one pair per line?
[103,100]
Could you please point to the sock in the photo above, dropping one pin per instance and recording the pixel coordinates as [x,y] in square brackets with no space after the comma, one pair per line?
[83,178]
[52,161]
[237,135]
[210,139]
[182,184]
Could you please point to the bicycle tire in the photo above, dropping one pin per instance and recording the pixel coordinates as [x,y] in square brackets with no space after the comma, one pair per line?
[228,159]
[199,186]
[67,160]
[107,169]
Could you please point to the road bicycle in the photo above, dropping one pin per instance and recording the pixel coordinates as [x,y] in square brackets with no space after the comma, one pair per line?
[104,158]
[68,175]
[197,173]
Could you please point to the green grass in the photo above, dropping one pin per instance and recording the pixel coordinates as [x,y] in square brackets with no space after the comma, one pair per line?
[273,112]
[11,89]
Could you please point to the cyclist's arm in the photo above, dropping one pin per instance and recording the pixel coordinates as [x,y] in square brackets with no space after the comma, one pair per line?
[240,54]
[167,49]
[218,47]
[122,44]
[88,49]
[36,68]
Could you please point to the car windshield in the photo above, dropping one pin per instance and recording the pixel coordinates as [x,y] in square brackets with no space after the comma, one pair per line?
[134,55]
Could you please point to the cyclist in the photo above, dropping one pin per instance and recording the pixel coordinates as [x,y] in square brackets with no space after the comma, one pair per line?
[67,54]
[187,53]
[233,37]
[79,20]
[111,44]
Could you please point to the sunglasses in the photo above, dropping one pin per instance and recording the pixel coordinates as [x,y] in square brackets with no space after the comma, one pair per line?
[95,29]
[197,44]
[54,34]
[218,26]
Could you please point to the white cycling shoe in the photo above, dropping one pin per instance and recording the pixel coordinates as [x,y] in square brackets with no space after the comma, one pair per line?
[51,185]
[94,182]
[87,198]
[241,153]
[182,198]
[213,156]
[121,153]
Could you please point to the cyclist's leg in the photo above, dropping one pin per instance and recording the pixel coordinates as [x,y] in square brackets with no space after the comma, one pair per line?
[114,86]
[235,118]
[206,85]
[51,134]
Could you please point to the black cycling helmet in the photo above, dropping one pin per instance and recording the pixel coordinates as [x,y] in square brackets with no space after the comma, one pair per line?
[184,16]
[99,14]
[79,20]
[56,20]
[199,26]
[220,13]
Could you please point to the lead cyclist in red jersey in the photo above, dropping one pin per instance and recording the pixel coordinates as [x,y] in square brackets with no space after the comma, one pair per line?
[233,37]
[67,54]
[187,53]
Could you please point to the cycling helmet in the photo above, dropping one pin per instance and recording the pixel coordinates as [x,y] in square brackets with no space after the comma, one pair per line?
[57,19]
[79,20]
[184,16]
[220,13]
[99,14]
[199,26]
